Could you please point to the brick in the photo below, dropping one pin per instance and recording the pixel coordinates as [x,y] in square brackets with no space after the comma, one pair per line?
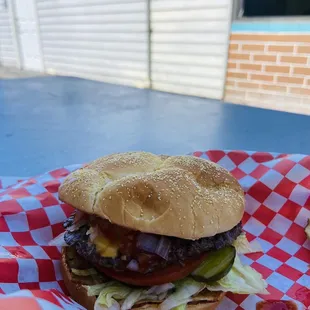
[302,70]
[294,59]
[300,91]
[238,56]
[293,38]
[278,69]
[233,46]
[253,47]
[290,80]
[276,88]
[261,77]
[247,85]
[230,83]
[235,93]
[306,101]
[272,58]
[253,67]
[271,37]
[281,48]
[303,49]
[237,75]
[231,65]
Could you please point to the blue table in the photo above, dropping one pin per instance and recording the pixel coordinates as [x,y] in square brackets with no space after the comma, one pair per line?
[50,122]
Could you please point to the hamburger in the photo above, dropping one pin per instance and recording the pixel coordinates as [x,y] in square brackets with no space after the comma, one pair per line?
[154,232]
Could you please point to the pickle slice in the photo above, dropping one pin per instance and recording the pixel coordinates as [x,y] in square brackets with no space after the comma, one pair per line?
[216,266]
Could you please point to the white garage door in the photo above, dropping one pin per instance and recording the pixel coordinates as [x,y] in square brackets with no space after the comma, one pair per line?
[189,44]
[8,49]
[97,39]
[28,34]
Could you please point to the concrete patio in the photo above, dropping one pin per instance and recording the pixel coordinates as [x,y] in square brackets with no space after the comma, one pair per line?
[48,122]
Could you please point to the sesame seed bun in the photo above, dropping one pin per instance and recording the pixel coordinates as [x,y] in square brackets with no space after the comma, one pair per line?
[180,196]
[78,292]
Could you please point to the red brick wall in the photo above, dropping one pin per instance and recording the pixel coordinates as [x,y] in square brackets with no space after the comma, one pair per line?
[269,71]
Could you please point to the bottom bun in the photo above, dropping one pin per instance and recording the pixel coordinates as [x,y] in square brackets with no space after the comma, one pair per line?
[205,300]
[198,306]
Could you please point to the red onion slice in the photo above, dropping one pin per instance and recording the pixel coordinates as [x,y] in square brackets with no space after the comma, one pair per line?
[154,244]
[147,242]
[133,265]
[163,247]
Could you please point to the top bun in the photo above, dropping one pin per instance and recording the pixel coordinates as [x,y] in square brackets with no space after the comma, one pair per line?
[180,196]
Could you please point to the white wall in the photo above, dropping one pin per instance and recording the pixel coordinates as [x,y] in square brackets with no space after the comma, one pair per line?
[8,49]
[103,39]
[176,45]
[189,46]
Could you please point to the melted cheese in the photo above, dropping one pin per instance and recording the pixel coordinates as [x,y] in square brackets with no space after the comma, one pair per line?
[109,252]
[105,247]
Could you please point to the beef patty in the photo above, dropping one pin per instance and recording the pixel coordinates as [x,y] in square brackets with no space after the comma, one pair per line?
[180,249]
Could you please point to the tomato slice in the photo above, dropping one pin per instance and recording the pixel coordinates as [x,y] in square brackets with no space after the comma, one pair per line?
[168,274]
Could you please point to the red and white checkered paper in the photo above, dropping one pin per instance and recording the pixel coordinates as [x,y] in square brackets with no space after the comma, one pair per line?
[277,191]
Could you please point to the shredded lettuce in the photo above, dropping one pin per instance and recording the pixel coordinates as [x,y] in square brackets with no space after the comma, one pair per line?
[243,246]
[94,290]
[155,293]
[131,299]
[158,289]
[112,292]
[185,289]
[84,272]
[181,307]
[241,279]
[152,298]
[175,296]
